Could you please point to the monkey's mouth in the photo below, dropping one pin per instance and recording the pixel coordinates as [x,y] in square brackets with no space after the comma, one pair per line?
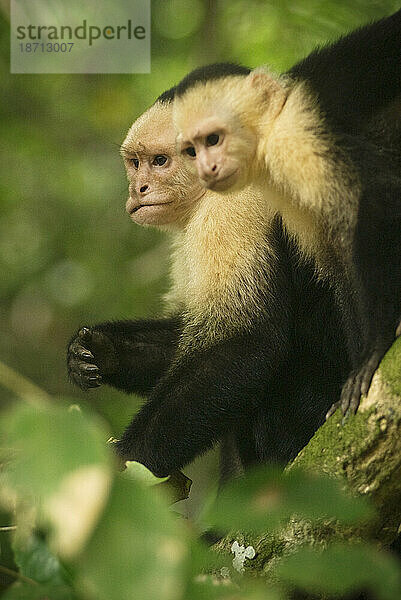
[220,183]
[136,208]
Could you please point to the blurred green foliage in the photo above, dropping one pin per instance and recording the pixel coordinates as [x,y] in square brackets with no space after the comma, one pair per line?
[275,500]
[86,532]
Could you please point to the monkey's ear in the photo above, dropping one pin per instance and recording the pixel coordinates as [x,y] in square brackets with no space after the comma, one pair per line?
[271,91]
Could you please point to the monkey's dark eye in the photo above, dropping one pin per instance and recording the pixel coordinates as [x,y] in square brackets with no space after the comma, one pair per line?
[159,160]
[212,139]
[135,162]
[190,151]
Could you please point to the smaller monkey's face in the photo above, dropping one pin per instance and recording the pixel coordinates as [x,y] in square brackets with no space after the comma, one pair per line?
[221,150]
[219,126]
[211,133]
[162,190]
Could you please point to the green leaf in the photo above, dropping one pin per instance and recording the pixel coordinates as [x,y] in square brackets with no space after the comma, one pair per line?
[319,496]
[205,559]
[342,569]
[35,561]
[137,551]
[211,587]
[266,497]
[63,466]
[177,485]
[139,472]
[24,591]
[212,575]
[48,444]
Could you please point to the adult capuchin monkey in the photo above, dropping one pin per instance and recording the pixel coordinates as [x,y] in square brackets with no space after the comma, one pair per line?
[250,352]
[322,144]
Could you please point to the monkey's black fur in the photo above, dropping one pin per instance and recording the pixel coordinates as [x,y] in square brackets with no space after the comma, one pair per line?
[357,81]
[357,75]
[209,73]
[267,388]
[206,73]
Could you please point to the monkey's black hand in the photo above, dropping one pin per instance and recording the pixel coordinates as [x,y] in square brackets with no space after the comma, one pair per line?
[90,357]
[357,384]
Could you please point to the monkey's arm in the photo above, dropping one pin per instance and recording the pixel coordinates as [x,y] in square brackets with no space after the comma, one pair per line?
[129,355]
[203,396]
[357,76]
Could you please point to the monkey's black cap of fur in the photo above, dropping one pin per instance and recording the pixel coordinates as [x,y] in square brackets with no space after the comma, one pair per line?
[206,73]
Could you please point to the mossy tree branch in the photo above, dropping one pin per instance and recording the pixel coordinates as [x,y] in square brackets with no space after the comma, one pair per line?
[364,452]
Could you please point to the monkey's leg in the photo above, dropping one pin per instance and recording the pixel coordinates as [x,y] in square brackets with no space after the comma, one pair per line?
[359,381]
[129,355]
[203,397]
[377,254]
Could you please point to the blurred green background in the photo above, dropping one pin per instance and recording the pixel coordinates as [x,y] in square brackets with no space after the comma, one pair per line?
[69,255]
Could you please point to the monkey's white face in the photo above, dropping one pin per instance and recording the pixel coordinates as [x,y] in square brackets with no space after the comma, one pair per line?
[222,150]
[219,126]
[162,190]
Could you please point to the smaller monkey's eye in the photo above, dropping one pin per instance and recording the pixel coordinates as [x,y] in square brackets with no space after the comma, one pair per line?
[159,160]
[190,151]
[212,139]
[134,161]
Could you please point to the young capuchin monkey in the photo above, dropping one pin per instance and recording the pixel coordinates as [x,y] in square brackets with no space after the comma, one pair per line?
[250,351]
[322,145]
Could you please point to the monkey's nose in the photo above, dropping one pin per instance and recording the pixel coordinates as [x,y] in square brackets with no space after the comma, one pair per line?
[210,171]
[143,189]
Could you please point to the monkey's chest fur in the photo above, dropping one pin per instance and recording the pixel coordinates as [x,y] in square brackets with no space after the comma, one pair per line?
[224,264]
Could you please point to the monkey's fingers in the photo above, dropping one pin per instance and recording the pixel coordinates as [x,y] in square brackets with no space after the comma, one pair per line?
[80,351]
[95,346]
[92,338]
[358,384]
[86,342]
[85,375]
[332,409]
[369,370]
[351,395]
[85,334]
[348,396]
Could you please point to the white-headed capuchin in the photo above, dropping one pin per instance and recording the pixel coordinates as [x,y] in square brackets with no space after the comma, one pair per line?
[251,352]
[321,143]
